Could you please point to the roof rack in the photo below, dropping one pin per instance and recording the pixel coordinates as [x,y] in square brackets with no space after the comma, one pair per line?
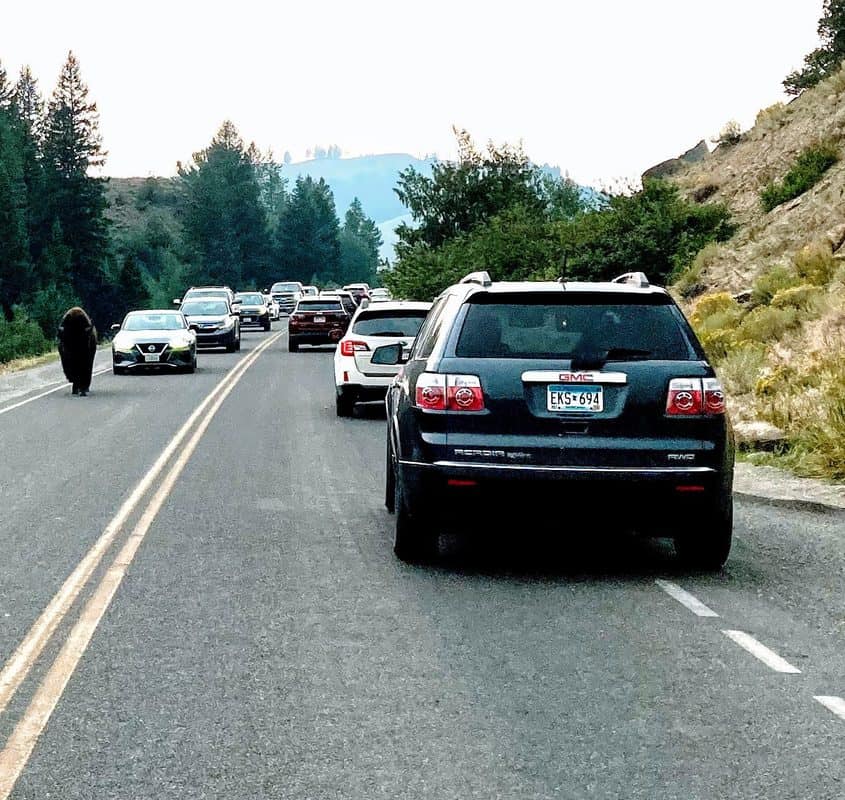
[481,278]
[637,279]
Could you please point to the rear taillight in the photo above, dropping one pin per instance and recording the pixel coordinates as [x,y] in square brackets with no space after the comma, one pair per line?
[349,347]
[694,397]
[463,393]
[714,396]
[449,392]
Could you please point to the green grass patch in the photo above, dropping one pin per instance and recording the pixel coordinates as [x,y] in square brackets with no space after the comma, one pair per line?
[805,173]
[21,338]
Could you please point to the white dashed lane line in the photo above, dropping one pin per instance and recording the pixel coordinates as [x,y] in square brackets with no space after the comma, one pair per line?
[686,599]
[769,657]
[834,704]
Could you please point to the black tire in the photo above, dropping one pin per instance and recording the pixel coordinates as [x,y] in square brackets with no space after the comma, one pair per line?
[238,343]
[293,345]
[413,542]
[708,545]
[232,346]
[118,370]
[389,480]
[266,326]
[344,405]
[191,368]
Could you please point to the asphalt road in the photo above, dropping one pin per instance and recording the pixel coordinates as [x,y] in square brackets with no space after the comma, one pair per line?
[263,642]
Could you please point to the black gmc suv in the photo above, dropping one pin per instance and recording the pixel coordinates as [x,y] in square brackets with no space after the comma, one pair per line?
[573,405]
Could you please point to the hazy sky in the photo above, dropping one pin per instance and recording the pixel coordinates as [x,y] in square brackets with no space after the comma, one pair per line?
[603,88]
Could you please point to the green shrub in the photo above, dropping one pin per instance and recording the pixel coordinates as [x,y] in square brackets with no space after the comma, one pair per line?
[689,282]
[815,263]
[730,134]
[806,172]
[741,368]
[810,408]
[718,343]
[768,284]
[716,303]
[803,297]
[21,337]
[767,324]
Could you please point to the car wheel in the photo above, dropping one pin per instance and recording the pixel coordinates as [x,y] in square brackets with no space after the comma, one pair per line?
[191,368]
[413,542]
[293,345]
[389,480]
[267,325]
[118,370]
[232,345]
[344,405]
[707,545]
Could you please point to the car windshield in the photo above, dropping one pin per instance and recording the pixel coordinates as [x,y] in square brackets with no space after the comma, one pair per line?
[154,322]
[251,299]
[572,329]
[207,308]
[206,293]
[389,323]
[285,287]
[320,305]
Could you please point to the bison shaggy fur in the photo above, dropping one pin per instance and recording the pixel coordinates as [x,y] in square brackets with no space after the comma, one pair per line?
[77,347]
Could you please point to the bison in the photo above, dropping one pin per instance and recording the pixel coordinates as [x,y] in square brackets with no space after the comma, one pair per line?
[77,346]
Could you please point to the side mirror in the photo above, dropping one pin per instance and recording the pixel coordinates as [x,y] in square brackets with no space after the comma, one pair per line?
[177,301]
[388,355]
[115,328]
[365,302]
[193,327]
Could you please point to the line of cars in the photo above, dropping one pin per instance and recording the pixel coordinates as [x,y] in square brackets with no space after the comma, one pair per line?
[206,317]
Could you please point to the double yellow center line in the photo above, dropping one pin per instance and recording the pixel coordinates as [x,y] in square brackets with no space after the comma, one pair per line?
[19,746]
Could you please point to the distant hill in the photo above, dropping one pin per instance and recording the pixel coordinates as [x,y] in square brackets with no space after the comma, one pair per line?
[369,178]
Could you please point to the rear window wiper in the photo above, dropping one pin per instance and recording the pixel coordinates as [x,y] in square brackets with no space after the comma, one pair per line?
[599,357]
[626,353]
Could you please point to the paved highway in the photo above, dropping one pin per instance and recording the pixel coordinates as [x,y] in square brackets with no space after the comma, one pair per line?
[198,599]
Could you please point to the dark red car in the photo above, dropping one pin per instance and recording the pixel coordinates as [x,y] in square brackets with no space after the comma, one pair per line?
[317,320]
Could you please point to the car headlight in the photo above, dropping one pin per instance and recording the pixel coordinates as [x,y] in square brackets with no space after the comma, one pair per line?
[180,345]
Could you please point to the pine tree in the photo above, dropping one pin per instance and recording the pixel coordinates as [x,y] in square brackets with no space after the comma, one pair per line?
[360,241]
[307,235]
[224,219]
[28,109]
[6,90]
[827,58]
[15,265]
[72,147]
[132,289]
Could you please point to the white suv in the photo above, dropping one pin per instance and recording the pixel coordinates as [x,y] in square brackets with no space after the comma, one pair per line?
[356,378]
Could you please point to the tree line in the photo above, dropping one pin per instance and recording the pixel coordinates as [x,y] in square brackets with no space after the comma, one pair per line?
[493,209]
[229,217]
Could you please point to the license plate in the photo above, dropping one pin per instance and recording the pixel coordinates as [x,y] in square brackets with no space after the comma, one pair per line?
[568,397]
[319,319]
[152,357]
[247,319]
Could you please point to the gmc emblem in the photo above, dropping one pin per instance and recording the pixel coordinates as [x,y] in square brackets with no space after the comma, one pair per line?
[576,377]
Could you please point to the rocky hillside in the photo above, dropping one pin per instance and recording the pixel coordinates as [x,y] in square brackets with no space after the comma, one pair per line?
[770,302]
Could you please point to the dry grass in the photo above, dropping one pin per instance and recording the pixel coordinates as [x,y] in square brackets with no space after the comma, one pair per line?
[26,363]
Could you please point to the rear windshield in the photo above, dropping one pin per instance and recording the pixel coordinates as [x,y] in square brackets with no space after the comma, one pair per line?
[205,308]
[320,305]
[389,323]
[250,299]
[623,330]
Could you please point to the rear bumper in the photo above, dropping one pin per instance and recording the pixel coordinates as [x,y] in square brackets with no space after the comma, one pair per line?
[637,495]
[332,336]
